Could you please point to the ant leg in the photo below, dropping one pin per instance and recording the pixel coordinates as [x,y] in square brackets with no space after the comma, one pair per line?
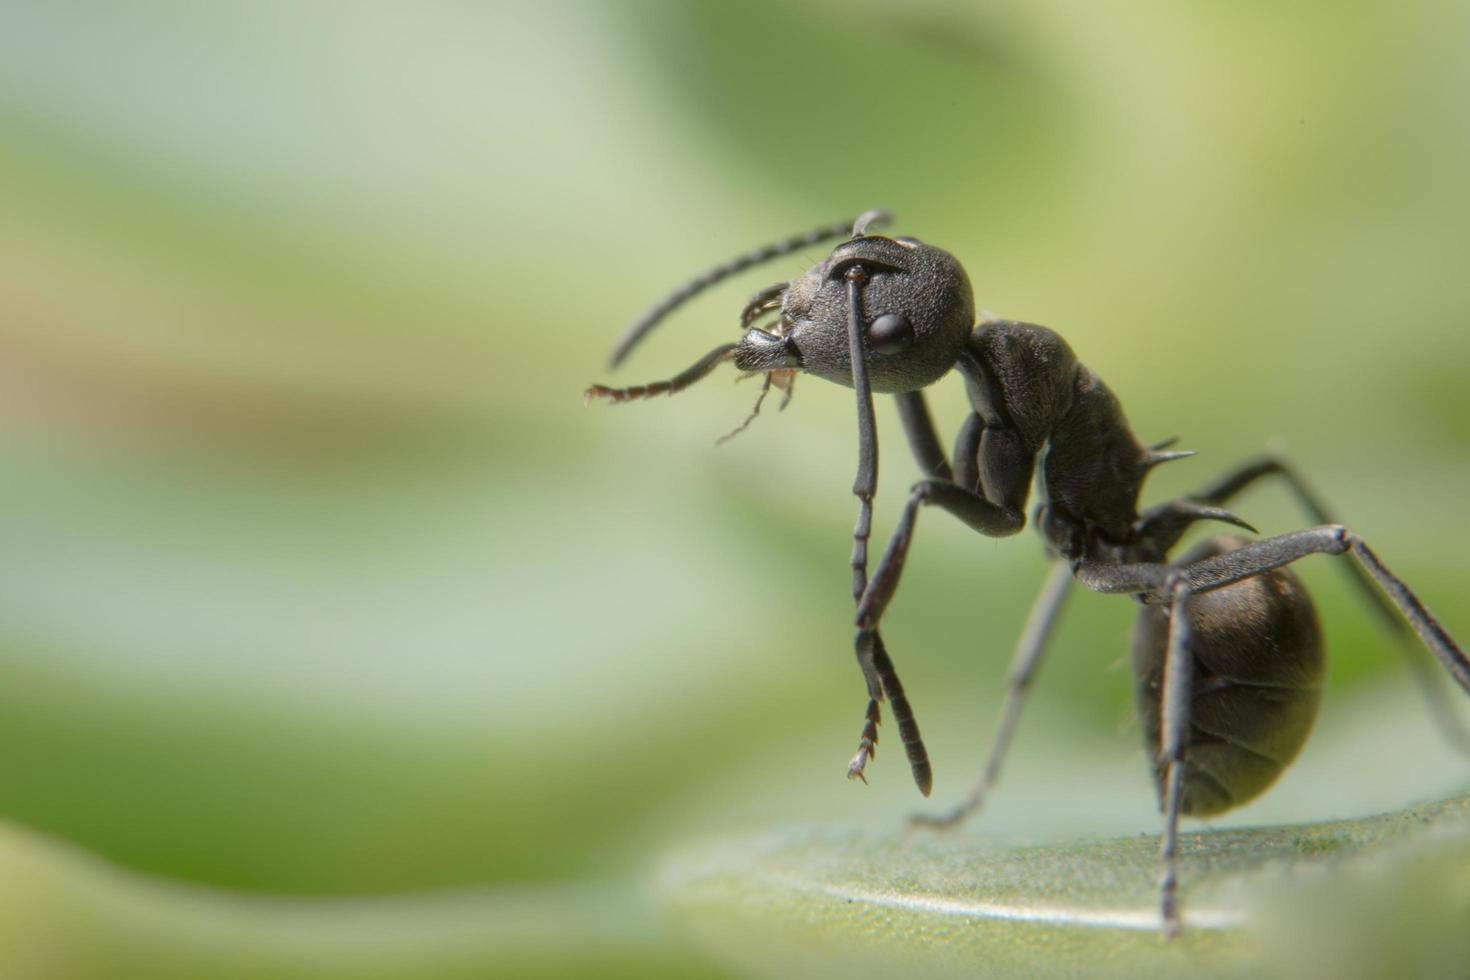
[974,510]
[872,655]
[923,440]
[1431,689]
[1159,582]
[1173,739]
[991,520]
[1007,466]
[918,426]
[1236,481]
[1032,645]
[864,487]
[1450,724]
[1175,586]
[903,715]
[1218,571]
[1440,643]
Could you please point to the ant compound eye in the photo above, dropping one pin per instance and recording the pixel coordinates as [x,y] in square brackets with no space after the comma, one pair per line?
[890,333]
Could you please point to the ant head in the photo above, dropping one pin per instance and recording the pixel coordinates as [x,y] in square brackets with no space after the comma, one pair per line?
[917,307]
[914,305]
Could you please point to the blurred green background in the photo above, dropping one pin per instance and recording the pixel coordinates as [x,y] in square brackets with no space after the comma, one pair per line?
[356,646]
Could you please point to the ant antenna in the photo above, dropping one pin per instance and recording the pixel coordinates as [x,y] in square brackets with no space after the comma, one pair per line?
[677,383]
[636,330]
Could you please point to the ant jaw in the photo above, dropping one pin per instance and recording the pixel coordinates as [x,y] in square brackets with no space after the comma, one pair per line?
[760,351]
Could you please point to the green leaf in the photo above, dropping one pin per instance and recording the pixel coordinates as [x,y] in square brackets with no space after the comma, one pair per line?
[1385,895]
[65,913]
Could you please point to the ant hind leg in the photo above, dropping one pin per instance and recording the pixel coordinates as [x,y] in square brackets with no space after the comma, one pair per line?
[1029,651]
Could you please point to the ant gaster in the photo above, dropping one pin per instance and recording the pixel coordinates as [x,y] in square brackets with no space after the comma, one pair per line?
[1227,652]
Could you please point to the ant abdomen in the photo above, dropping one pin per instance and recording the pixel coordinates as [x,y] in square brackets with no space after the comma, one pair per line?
[1257,664]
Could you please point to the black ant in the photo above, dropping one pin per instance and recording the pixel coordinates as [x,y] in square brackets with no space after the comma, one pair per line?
[1227,652]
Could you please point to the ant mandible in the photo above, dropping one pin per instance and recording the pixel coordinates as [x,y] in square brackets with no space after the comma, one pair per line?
[1227,652]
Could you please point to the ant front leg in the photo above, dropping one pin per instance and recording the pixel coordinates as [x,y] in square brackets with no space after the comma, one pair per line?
[872,656]
[923,440]
[978,512]
[981,453]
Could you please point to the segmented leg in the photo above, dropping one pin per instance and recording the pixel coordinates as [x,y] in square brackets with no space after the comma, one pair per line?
[918,427]
[872,656]
[1174,732]
[1158,582]
[1033,643]
[974,510]
[1237,480]
[971,507]
[979,513]
[1260,556]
